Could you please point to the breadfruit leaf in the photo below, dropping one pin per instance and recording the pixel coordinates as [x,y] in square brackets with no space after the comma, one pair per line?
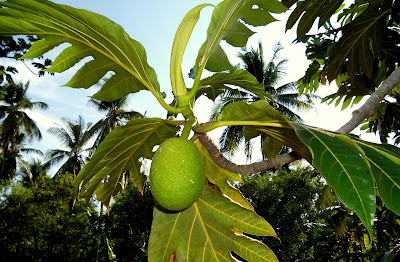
[210,229]
[219,82]
[120,152]
[355,45]
[220,176]
[385,166]
[180,41]
[262,117]
[229,22]
[90,35]
[309,11]
[345,170]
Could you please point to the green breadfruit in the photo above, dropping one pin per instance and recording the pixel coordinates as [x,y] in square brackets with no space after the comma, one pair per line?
[177,174]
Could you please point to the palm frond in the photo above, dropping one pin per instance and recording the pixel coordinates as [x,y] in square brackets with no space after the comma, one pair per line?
[62,135]
[230,139]
[40,105]
[30,127]
[276,48]
[55,160]
[292,116]
[291,86]
[32,151]
[292,101]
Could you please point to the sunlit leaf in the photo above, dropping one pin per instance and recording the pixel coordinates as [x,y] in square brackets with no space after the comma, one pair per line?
[345,170]
[229,22]
[209,230]
[120,152]
[178,48]
[257,112]
[217,83]
[262,117]
[91,35]
[220,176]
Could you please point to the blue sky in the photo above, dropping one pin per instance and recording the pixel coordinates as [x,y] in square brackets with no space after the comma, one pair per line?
[153,23]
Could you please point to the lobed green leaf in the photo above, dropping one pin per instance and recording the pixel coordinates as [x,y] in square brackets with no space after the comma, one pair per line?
[229,22]
[354,45]
[91,35]
[220,176]
[209,230]
[119,153]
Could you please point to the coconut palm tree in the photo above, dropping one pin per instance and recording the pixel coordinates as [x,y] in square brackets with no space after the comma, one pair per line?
[285,97]
[15,125]
[116,115]
[31,171]
[75,137]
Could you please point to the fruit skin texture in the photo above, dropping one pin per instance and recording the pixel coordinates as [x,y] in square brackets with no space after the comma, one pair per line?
[177,174]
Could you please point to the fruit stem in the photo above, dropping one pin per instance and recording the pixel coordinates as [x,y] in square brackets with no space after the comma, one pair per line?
[187,128]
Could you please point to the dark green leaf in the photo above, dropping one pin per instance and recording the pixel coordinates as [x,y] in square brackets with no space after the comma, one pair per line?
[385,166]
[271,148]
[297,12]
[354,45]
[345,171]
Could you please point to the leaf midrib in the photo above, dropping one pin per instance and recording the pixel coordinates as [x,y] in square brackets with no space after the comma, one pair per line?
[347,174]
[113,57]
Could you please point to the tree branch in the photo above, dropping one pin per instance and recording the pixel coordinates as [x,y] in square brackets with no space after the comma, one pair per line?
[245,169]
[368,108]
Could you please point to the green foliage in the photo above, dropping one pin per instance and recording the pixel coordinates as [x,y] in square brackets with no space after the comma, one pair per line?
[266,75]
[345,170]
[226,25]
[38,224]
[288,200]
[119,153]
[128,224]
[359,50]
[75,138]
[117,114]
[221,177]
[15,125]
[15,48]
[218,83]
[109,45]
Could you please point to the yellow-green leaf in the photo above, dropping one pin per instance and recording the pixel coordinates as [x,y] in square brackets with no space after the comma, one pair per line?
[208,231]
[220,176]
[178,48]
